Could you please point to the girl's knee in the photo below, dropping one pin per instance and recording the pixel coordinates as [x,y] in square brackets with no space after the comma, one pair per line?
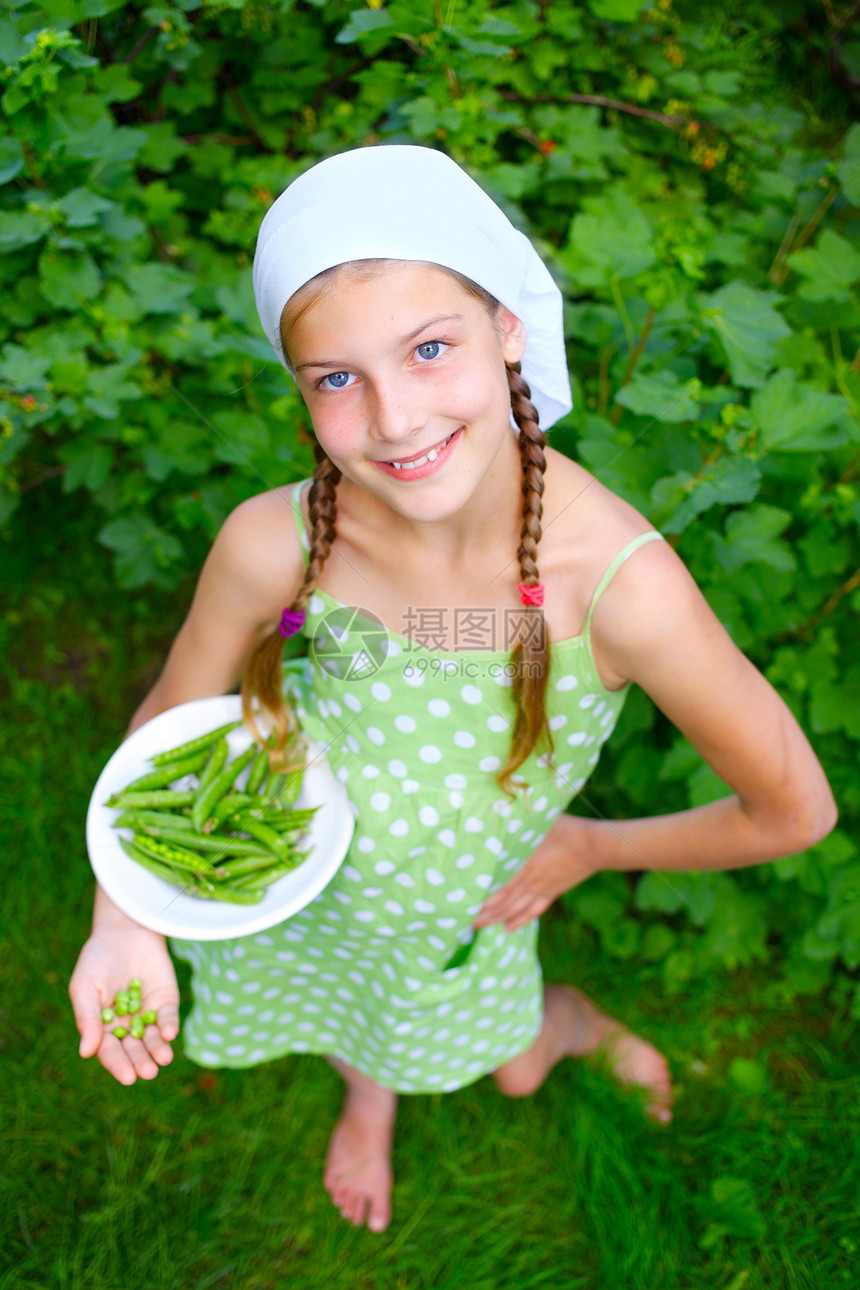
[516,1083]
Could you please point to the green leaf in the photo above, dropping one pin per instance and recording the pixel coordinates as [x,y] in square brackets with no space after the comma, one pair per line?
[830,268]
[82,207]
[11,161]
[849,167]
[727,481]
[748,327]
[108,389]
[610,238]
[617,10]
[159,288]
[361,22]
[87,465]
[23,370]
[752,535]
[795,417]
[660,395]
[67,279]
[748,1076]
[241,437]
[142,549]
[21,228]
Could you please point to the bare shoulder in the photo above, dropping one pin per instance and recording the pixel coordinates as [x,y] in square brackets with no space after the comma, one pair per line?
[258,548]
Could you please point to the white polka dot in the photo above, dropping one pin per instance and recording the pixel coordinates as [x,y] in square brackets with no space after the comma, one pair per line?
[375,735]
[370,772]
[473,824]
[372,892]
[398,828]
[410,786]
[363,915]
[456,895]
[222,997]
[342,775]
[407,725]
[405,879]
[350,872]
[414,676]
[380,691]
[365,843]
[598,708]
[607,717]
[430,754]
[383,868]
[428,815]
[416,851]
[494,845]
[352,743]
[471,694]
[579,737]
[316,605]
[380,801]
[352,701]
[393,907]
[424,906]
[587,700]
[484,880]
[556,723]
[447,837]
[455,781]
[498,723]
[463,739]
[334,708]
[434,876]
[505,675]
[390,647]
[489,763]
[463,862]
[439,708]
[456,800]
[397,768]
[446,923]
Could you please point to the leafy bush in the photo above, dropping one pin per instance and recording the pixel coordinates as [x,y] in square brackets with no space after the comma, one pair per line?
[701,219]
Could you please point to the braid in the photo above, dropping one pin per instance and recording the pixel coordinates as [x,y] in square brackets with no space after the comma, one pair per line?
[263,678]
[530,657]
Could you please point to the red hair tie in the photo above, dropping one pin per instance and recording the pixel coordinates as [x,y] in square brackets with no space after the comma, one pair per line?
[531,595]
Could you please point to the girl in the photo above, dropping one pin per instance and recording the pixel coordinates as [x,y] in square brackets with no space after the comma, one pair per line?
[476,608]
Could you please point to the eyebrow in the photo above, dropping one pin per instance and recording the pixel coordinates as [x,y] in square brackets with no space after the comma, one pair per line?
[404,340]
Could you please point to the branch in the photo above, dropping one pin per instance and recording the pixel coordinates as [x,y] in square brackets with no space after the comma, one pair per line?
[597,100]
[139,45]
[635,355]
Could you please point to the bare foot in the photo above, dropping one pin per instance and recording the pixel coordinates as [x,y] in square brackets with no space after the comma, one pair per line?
[358,1173]
[588,1031]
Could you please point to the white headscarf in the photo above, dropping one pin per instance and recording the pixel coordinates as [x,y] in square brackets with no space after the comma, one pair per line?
[402,202]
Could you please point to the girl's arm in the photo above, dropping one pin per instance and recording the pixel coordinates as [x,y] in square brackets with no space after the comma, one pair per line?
[654,627]
[253,569]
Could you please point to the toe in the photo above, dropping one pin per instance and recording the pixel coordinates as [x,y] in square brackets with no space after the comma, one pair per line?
[380,1216]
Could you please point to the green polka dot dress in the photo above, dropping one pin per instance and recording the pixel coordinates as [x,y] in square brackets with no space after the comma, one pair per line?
[416,736]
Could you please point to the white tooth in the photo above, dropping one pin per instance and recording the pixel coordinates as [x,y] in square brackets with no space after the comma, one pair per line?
[432,454]
[396,465]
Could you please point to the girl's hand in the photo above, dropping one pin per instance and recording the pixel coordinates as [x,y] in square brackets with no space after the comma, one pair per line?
[116,952]
[562,860]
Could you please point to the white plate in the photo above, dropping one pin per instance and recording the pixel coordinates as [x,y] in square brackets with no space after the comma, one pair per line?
[164,908]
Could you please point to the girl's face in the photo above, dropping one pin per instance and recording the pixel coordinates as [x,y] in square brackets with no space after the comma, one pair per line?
[403,372]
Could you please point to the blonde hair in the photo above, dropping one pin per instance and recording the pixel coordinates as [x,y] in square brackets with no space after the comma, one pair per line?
[530,657]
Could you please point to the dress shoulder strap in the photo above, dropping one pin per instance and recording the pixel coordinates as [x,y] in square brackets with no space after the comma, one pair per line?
[298,517]
[623,554]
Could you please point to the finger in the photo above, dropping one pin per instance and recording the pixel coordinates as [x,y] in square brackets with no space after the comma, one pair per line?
[168,1020]
[515,900]
[156,1045]
[115,1060]
[87,1008]
[140,1058]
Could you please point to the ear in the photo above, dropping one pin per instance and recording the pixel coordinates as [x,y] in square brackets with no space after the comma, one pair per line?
[513,334]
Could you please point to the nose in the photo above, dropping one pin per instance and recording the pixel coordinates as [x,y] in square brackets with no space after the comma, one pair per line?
[398,414]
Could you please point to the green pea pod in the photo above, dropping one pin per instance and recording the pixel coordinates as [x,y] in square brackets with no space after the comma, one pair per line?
[288,790]
[235,896]
[245,821]
[259,771]
[161,870]
[215,763]
[217,842]
[154,820]
[169,854]
[460,955]
[238,866]
[264,878]
[230,803]
[204,803]
[201,744]
[165,775]
[153,798]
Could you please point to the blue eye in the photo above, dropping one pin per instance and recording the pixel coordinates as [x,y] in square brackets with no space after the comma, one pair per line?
[430,349]
[338,380]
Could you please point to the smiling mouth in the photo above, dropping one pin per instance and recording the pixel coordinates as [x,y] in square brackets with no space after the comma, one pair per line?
[412,463]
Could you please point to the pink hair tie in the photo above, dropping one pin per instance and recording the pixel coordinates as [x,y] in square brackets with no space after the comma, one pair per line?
[292,621]
[531,595]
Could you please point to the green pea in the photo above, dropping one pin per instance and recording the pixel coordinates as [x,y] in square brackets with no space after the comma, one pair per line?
[148,1018]
[121,1004]
[120,1032]
[134,985]
[137,1027]
[107,1015]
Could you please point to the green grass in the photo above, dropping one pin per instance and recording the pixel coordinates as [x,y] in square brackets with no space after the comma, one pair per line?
[213,1179]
